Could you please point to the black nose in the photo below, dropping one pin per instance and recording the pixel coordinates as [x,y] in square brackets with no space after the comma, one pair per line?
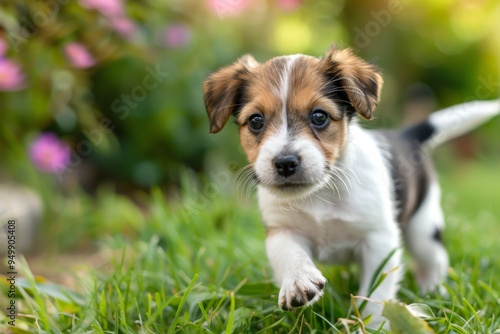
[286,165]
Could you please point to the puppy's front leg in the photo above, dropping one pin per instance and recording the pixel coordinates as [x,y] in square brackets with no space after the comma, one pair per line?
[289,253]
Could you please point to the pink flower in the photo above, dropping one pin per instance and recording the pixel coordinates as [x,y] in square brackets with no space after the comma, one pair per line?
[3,47]
[123,25]
[109,8]
[78,55]
[230,8]
[176,35]
[115,12]
[49,154]
[11,76]
[289,5]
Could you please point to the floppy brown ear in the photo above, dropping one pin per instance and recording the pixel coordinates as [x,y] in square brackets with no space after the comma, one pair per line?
[223,91]
[360,80]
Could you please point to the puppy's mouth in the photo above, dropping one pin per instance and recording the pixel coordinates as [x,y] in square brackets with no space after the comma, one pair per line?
[290,189]
[290,186]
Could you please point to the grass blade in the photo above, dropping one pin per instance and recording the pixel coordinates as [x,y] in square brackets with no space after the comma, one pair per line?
[230,323]
[181,305]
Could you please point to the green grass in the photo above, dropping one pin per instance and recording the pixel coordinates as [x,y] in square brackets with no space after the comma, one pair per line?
[197,264]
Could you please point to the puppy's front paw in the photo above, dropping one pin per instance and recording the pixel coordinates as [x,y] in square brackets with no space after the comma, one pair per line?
[303,286]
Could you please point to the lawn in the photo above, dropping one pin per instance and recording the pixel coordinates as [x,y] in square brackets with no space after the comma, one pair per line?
[195,263]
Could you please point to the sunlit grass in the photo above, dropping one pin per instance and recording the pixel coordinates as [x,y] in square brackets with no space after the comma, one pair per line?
[197,264]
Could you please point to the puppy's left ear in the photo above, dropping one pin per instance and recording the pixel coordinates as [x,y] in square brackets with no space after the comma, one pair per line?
[223,91]
[360,81]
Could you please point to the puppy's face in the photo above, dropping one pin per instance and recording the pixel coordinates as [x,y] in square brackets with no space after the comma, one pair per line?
[293,113]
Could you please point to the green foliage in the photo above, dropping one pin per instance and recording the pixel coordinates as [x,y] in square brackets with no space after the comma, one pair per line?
[194,265]
[403,319]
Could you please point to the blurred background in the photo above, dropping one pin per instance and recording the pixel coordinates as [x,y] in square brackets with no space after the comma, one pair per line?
[101,100]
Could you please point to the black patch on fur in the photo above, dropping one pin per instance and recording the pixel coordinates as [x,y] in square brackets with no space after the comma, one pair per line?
[419,133]
[411,170]
[438,236]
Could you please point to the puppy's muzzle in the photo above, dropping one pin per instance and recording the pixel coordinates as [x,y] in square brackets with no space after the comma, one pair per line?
[286,165]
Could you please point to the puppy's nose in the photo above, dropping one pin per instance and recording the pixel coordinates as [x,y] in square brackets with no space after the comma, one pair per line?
[286,165]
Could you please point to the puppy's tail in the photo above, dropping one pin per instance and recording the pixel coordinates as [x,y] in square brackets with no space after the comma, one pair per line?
[452,122]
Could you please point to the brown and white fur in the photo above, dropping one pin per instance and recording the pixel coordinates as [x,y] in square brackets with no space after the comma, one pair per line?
[328,189]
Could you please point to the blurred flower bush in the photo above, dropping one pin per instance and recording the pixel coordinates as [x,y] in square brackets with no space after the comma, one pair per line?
[49,154]
[119,82]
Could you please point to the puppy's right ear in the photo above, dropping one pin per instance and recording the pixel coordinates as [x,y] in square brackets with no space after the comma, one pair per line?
[223,91]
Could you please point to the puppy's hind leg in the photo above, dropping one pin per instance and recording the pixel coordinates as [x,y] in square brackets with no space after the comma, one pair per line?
[423,237]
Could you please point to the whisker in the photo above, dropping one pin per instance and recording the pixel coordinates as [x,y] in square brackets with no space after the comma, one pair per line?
[251,187]
[339,170]
[324,200]
[310,198]
[332,185]
[343,182]
[348,170]
[290,206]
[245,181]
[282,208]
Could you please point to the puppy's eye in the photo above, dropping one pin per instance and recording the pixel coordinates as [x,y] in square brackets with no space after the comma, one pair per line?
[320,119]
[256,122]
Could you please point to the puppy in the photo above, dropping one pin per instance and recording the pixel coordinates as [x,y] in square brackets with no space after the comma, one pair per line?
[328,189]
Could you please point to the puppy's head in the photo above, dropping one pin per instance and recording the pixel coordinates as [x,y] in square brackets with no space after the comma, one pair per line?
[293,113]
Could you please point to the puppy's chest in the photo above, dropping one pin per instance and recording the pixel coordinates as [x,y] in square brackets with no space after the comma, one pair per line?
[333,231]
[335,240]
